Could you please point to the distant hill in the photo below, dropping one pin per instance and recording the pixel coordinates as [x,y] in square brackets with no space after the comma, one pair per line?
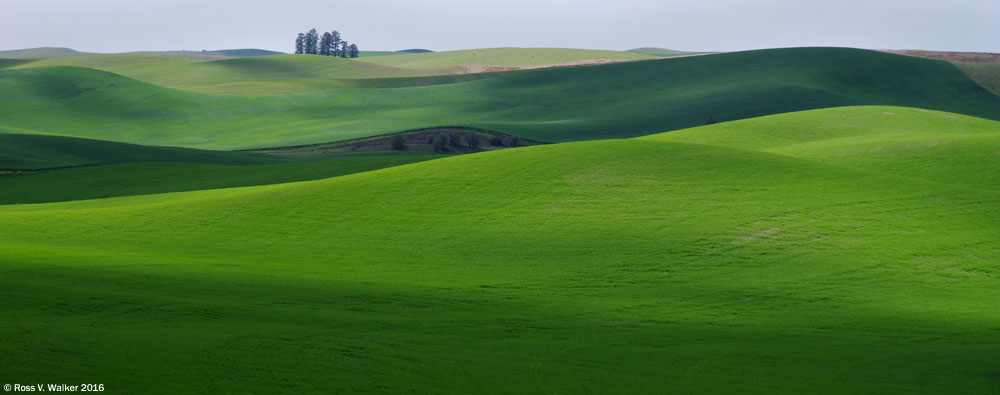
[662,52]
[503,57]
[245,53]
[369,54]
[211,55]
[40,53]
[59,52]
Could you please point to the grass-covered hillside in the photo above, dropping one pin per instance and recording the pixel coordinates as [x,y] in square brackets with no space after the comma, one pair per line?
[552,105]
[783,259]
[930,145]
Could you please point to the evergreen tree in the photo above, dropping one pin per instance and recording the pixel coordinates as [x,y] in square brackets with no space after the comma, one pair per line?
[343,49]
[353,49]
[334,43]
[325,44]
[300,43]
[312,42]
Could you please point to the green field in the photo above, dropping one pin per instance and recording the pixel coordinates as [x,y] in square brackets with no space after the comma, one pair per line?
[552,105]
[778,254]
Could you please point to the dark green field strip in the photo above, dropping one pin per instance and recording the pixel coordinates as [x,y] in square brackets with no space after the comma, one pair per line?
[96,182]
[553,105]
[5,63]
[30,152]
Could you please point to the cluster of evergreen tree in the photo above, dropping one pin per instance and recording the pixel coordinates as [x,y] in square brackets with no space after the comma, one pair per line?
[330,44]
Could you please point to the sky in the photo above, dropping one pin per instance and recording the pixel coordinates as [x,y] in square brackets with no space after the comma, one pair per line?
[706,25]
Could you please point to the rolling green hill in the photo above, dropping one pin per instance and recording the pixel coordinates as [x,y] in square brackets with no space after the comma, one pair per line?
[625,266]
[552,105]
[929,145]
[500,57]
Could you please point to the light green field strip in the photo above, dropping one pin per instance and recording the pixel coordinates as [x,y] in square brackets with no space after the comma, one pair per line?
[183,73]
[931,145]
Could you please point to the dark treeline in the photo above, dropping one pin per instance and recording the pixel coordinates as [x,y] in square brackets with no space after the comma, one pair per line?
[330,44]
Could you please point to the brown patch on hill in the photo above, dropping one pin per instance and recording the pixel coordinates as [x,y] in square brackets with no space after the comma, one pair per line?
[441,140]
[485,68]
[970,57]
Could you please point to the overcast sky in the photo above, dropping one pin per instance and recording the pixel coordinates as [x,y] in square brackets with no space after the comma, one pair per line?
[705,25]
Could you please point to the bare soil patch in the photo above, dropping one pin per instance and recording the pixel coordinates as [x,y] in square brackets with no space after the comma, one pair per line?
[472,68]
[441,140]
